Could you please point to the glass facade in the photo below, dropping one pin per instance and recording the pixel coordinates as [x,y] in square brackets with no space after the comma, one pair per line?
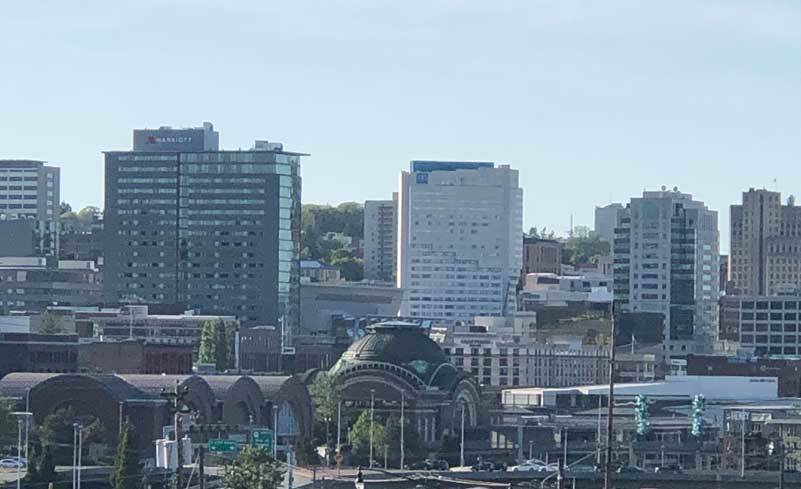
[216,231]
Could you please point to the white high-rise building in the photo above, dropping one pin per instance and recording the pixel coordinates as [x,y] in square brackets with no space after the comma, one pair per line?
[29,193]
[460,229]
[380,242]
[666,255]
[606,220]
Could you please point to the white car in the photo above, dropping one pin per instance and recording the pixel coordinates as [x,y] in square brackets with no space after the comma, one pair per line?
[10,463]
[529,466]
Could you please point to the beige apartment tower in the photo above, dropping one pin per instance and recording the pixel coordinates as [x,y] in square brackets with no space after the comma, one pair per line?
[765,256]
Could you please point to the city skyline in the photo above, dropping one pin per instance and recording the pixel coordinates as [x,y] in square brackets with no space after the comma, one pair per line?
[681,95]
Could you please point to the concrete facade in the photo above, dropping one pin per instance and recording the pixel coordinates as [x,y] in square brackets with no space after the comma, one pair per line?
[30,191]
[380,240]
[459,239]
[33,284]
[765,244]
[770,325]
[606,221]
[666,261]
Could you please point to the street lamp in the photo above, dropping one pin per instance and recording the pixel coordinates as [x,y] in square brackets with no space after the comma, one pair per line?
[461,444]
[372,414]
[275,432]
[27,420]
[20,416]
[76,455]
[402,428]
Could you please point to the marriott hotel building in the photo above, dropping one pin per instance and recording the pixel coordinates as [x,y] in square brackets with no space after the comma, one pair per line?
[214,231]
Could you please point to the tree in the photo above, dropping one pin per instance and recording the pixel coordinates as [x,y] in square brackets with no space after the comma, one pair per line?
[360,436]
[32,470]
[411,440]
[214,344]
[325,398]
[351,268]
[64,207]
[57,431]
[8,422]
[584,250]
[50,324]
[126,473]
[255,469]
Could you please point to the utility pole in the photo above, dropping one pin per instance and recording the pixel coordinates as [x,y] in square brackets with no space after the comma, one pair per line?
[176,406]
[201,466]
[611,407]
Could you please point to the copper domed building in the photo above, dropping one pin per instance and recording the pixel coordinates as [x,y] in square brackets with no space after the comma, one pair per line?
[395,360]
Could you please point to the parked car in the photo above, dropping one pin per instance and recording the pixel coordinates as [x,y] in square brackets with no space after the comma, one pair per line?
[10,463]
[437,464]
[668,469]
[529,466]
[629,469]
[430,464]
[488,466]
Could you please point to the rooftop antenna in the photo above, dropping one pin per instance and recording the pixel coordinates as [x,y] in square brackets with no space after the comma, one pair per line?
[570,233]
[775,185]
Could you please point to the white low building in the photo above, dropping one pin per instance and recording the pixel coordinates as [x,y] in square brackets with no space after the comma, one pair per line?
[713,388]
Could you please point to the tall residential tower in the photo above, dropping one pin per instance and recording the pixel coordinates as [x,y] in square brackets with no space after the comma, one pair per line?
[765,256]
[666,261]
[380,241]
[216,231]
[460,227]
[29,196]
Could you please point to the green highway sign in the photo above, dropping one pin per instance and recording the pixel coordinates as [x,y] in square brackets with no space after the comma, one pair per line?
[262,438]
[223,446]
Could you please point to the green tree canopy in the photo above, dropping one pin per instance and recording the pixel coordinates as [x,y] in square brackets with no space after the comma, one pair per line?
[8,423]
[360,437]
[584,250]
[320,226]
[255,469]
[325,395]
[215,344]
[126,473]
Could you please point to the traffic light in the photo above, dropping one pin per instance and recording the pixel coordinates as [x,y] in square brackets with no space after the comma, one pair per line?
[641,415]
[697,415]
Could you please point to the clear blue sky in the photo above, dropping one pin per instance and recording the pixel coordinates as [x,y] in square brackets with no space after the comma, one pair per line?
[588,99]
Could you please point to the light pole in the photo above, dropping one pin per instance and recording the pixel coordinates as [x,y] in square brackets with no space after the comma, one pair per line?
[275,432]
[27,420]
[742,448]
[402,427]
[339,424]
[19,452]
[75,455]
[80,453]
[461,444]
[372,414]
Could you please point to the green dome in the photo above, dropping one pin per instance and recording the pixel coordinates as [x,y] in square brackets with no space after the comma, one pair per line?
[403,345]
